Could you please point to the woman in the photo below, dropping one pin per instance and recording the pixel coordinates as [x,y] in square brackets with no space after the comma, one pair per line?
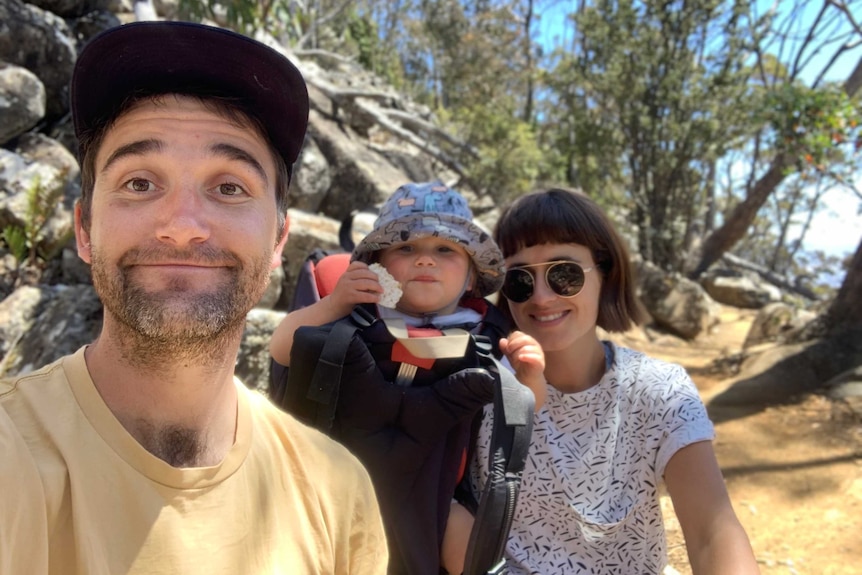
[615,422]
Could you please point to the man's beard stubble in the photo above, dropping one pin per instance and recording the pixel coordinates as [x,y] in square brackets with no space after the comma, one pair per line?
[177,323]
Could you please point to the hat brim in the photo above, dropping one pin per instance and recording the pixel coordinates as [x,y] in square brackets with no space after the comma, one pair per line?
[146,58]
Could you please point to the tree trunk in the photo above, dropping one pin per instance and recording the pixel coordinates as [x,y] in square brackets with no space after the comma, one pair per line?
[846,309]
[737,224]
[854,82]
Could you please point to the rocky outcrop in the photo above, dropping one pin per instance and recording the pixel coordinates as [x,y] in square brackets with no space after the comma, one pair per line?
[739,290]
[41,42]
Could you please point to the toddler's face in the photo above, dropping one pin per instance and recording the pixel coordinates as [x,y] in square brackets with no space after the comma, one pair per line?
[434,273]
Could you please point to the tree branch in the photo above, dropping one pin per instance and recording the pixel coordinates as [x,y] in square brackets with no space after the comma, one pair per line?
[767,275]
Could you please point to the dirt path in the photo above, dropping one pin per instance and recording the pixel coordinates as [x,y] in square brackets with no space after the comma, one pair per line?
[794,472]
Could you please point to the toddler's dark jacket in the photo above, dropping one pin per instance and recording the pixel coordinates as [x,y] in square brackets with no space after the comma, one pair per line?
[414,440]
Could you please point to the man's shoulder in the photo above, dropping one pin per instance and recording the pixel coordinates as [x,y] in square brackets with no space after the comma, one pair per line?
[11,385]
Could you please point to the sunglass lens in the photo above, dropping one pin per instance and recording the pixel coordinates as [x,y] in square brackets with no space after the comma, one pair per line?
[518,285]
[566,278]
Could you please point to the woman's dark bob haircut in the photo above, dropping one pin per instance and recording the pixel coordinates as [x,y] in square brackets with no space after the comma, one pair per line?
[558,216]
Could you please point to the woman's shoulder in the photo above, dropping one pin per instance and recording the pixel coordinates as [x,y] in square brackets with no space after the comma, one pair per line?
[642,373]
[627,358]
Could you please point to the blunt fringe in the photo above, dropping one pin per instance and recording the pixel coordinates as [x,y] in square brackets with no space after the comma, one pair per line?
[558,216]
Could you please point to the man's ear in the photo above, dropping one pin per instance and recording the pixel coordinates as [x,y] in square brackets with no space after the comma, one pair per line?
[82,236]
[279,247]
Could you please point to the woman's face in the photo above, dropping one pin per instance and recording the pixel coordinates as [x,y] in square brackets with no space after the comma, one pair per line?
[558,323]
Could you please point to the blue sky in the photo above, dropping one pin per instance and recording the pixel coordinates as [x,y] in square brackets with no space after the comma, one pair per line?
[838,227]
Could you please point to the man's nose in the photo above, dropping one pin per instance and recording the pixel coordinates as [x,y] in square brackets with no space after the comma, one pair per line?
[182,217]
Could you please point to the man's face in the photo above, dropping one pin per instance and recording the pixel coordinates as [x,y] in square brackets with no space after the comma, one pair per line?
[183,232]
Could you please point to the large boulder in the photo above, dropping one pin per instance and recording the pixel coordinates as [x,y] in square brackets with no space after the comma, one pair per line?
[675,303]
[41,42]
[775,322]
[253,359]
[54,321]
[739,290]
[22,101]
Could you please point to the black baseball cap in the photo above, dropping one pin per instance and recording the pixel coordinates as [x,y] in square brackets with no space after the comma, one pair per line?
[147,58]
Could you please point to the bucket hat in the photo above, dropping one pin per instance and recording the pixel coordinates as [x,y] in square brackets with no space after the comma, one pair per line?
[421,210]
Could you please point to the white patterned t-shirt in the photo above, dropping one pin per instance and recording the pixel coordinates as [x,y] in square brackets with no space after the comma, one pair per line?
[589,501]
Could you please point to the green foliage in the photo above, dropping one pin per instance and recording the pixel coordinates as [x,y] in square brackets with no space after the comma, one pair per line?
[364,32]
[509,160]
[647,97]
[24,241]
[815,126]
[281,18]
[15,239]
[363,37]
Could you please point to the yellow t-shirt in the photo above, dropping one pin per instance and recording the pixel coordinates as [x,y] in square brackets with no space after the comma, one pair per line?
[78,494]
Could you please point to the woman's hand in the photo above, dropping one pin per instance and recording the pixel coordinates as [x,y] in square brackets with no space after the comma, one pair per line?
[528,360]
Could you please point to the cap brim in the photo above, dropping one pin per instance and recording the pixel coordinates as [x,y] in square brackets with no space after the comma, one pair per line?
[182,57]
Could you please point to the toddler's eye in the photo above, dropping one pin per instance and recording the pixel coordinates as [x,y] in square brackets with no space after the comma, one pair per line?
[405,248]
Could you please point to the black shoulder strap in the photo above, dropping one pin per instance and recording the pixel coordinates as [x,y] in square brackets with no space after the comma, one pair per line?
[510,440]
[327,374]
[309,387]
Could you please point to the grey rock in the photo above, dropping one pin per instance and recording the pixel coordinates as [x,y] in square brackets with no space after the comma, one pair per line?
[22,101]
[41,42]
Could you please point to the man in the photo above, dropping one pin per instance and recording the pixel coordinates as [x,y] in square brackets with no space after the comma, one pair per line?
[141,453]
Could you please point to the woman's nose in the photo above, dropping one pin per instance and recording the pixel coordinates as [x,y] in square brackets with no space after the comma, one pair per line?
[542,292]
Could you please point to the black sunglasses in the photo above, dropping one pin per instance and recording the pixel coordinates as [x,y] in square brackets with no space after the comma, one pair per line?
[565,278]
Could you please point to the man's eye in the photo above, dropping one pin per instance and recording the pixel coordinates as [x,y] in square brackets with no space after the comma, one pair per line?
[230,189]
[139,185]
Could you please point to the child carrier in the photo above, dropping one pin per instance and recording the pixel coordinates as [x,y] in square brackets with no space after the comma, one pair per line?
[311,388]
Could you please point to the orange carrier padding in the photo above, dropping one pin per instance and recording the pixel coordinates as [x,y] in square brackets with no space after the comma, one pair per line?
[328,270]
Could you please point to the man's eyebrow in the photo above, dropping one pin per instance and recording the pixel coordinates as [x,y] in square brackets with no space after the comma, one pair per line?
[232,152]
[138,148]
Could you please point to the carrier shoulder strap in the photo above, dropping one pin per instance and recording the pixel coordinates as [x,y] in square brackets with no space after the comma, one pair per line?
[514,404]
[327,374]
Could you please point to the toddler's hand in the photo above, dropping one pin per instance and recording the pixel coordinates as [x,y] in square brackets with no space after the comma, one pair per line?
[356,285]
[528,360]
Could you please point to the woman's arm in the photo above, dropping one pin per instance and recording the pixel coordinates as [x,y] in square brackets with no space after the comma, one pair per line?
[356,285]
[456,539]
[714,537]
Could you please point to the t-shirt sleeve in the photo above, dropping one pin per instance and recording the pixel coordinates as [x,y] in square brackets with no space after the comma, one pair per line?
[682,415]
[23,527]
